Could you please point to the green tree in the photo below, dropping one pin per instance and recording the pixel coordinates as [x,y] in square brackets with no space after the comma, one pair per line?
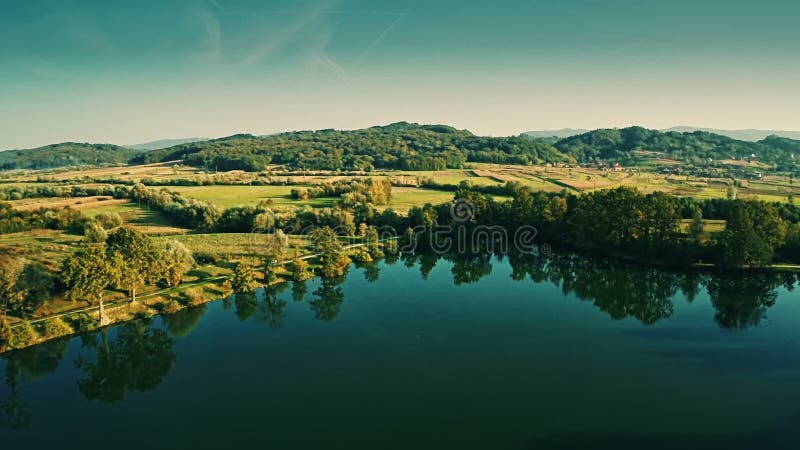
[697,231]
[273,252]
[94,232]
[373,242]
[9,274]
[331,252]
[87,273]
[264,222]
[244,278]
[300,270]
[5,333]
[34,286]
[752,233]
[661,218]
[176,260]
[136,256]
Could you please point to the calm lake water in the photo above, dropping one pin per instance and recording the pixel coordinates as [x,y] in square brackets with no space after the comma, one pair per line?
[457,353]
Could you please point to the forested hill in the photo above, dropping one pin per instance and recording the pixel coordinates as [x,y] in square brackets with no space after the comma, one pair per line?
[409,146]
[694,147]
[397,146]
[428,147]
[65,154]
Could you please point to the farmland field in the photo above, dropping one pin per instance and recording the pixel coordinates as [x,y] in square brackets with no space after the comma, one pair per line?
[228,196]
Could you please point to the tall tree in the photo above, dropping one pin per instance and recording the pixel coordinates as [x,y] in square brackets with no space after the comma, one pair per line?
[137,256]
[273,252]
[753,231]
[244,278]
[331,252]
[176,260]
[697,232]
[87,273]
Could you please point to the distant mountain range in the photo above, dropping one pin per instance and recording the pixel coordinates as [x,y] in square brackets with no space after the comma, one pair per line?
[751,135]
[163,143]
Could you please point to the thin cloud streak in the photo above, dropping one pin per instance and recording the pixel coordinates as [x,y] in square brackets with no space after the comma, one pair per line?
[377,41]
[319,56]
[288,34]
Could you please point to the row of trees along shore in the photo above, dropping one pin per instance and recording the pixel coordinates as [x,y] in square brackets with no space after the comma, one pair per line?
[654,228]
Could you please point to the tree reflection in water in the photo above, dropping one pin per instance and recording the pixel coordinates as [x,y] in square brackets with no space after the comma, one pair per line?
[625,290]
[271,310]
[136,356]
[136,360]
[299,290]
[329,299]
[23,366]
[183,322]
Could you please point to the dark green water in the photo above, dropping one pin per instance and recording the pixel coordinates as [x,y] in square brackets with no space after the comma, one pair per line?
[481,353]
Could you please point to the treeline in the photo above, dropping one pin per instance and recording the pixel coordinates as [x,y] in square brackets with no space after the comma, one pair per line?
[625,223]
[204,216]
[366,190]
[14,220]
[11,193]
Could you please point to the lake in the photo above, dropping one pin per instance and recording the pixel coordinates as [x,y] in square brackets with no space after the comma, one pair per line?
[461,352]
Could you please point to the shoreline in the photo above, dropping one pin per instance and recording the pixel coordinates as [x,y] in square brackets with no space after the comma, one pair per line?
[170,297]
[174,299]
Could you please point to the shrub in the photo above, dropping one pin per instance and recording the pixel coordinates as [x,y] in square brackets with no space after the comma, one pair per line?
[362,257]
[171,307]
[24,335]
[109,220]
[193,296]
[226,288]
[57,327]
[83,323]
[206,258]
[6,334]
[94,232]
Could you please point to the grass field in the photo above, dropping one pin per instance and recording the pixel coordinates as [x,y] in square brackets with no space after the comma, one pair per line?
[404,198]
[227,196]
[47,247]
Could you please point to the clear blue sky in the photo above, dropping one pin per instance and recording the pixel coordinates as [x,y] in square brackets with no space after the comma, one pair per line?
[128,72]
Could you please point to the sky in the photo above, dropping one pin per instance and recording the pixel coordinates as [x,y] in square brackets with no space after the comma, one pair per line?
[132,72]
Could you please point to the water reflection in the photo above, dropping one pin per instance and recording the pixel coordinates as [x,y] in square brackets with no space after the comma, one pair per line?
[328,299]
[136,356]
[136,359]
[183,322]
[271,310]
[624,290]
[25,366]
